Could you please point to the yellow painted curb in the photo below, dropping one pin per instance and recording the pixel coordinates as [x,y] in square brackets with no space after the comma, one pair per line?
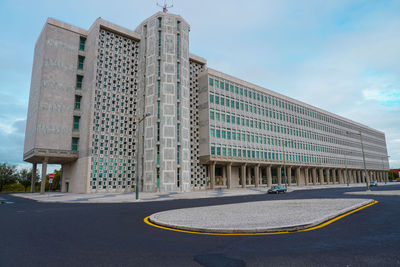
[147,221]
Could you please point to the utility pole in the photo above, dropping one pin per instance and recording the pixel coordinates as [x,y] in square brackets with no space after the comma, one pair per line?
[138,136]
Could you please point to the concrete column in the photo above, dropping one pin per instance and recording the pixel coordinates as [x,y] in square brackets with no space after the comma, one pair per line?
[224,182]
[269,176]
[355,175]
[229,175]
[243,175]
[314,176]
[279,173]
[256,175]
[340,176]
[297,176]
[44,170]
[248,176]
[306,176]
[289,175]
[328,176]
[362,180]
[212,175]
[334,176]
[321,176]
[33,177]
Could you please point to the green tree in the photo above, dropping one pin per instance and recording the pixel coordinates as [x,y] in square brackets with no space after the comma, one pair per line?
[24,177]
[8,175]
[393,175]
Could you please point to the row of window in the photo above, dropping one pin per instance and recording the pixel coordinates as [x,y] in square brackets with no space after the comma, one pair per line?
[243,153]
[218,83]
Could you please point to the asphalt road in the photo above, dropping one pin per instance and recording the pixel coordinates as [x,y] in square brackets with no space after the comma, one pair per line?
[56,234]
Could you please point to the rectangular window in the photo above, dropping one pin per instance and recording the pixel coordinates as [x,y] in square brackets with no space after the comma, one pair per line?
[158,154]
[178,90]
[178,158]
[78,101]
[178,26]
[75,142]
[211,98]
[159,43]
[82,41]
[177,45]
[212,132]
[158,88]
[178,126]
[159,68]
[76,122]
[211,81]
[211,115]
[79,79]
[159,23]
[177,111]
[177,70]
[213,150]
[81,59]
[158,109]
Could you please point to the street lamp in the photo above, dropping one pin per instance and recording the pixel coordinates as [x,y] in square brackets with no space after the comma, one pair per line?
[362,149]
[137,153]
[383,167]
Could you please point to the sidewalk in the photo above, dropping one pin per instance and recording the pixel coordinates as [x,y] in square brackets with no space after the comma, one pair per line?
[145,196]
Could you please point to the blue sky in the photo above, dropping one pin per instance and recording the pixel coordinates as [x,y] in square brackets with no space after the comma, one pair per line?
[341,56]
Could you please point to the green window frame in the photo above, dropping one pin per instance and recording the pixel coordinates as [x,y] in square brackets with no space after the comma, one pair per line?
[78,101]
[79,80]
[82,41]
[81,60]
[76,122]
[75,142]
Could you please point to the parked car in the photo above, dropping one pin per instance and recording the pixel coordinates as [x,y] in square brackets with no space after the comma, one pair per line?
[276,189]
[373,183]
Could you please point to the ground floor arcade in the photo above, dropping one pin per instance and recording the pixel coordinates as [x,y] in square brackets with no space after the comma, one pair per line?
[230,175]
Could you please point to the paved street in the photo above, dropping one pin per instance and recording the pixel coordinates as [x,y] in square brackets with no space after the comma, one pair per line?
[107,234]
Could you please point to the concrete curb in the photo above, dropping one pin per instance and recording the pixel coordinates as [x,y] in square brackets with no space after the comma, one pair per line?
[291,228]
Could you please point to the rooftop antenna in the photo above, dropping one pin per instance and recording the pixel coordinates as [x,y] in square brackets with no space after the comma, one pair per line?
[165,6]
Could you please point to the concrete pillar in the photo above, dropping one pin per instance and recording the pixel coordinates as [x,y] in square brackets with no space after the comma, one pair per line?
[328,176]
[243,175]
[224,182]
[306,176]
[334,176]
[360,177]
[256,175]
[321,176]
[248,175]
[279,173]
[289,175]
[314,176]
[340,176]
[269,176]
[297,176]
[33,177]
[44,171]
[212,175]
[229,175]
[355,175]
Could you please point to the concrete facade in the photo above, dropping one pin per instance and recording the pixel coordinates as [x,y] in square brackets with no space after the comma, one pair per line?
[206,129]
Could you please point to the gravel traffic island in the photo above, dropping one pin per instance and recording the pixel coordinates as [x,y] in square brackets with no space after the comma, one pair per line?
[257,217]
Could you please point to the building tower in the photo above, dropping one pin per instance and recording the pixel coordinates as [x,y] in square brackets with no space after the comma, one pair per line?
[164,93]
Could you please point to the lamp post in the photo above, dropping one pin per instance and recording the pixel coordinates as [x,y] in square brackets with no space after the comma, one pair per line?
[137,153]
[363,154]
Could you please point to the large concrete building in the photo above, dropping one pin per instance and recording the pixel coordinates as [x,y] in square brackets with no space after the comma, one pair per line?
[201,128]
